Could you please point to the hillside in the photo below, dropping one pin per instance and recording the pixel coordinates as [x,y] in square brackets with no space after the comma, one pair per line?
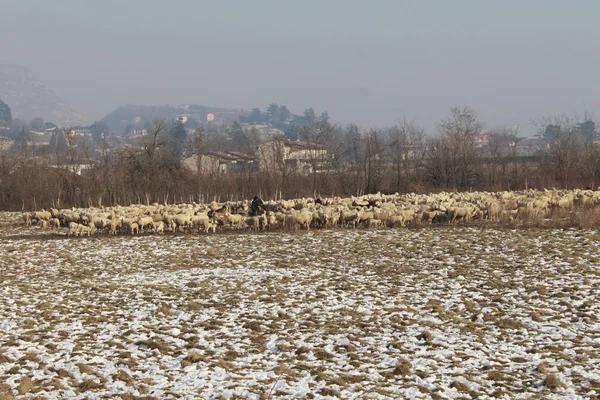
[133,116]
[29,98]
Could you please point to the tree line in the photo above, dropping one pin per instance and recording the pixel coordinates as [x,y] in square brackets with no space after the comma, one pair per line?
[461,155]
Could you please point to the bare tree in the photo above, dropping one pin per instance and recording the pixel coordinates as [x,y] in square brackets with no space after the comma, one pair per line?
[317,135]
[587,127]
[561,159]
[405,148]
[454,158]
[500,144]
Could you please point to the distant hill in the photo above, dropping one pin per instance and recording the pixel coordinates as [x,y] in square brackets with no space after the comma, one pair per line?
[132,116]
[29,98]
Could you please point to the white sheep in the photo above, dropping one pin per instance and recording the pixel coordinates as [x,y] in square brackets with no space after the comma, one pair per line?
[45,215]
[234,219]
[73,229]
[302,219]
[159,227]
[87,230]
[145,223]
[42,224]
[54,222]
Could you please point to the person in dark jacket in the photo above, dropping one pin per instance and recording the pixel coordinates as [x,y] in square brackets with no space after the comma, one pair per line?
[256,207]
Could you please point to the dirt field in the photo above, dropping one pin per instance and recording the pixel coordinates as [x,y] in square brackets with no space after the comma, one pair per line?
[432,313]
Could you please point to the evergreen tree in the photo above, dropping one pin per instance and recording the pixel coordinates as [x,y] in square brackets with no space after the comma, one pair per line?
[272,113]
[588,129]
[282,115]
[37,124]
[179,133]
[309,115]
[99,130]
[5,114]
[178,136]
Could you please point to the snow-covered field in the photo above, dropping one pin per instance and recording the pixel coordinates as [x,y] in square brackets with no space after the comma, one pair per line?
[451,312]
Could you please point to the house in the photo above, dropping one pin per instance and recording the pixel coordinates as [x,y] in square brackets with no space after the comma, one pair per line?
[265,132]
[139,132]
[76,169]
[303,157]
[215,162]
[482,141]
[181,120]
[6,143]
[530,146]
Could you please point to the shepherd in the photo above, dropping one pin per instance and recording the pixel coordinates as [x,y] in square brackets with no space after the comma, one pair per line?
[256,207]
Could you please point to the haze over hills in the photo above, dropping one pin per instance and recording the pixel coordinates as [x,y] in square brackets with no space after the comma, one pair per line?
[29,98]
[127,117]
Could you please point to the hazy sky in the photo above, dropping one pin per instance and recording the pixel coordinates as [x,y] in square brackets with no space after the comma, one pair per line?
[365,62]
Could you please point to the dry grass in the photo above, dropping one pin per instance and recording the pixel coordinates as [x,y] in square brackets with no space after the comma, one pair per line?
[125,377]
[89,385]
[460,386]
[154,345]
[543,368]
[426,336]
[25,385]
[254,326]
[321,354]
[402,369]
[163,309]
[329,392]
[4,358]
[338,306]
[553,382]
[194,357]
[63,373]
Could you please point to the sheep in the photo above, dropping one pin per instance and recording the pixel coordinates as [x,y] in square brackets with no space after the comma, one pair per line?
[395,220]
[159,227]
[464,213]
[364,217]
[73,229]
[332,219]
[45,215]
[68,217]
[320,218]
[130,224]
[54,222]
[366,211]
[302,219]
[252,223]
[42,224]
[349,218]
[145,223]
[99,222]
[234,219]
[200,221]
[493,211]
[429,216]
[401,217]
[269,220]
[158,217]
[134,227]
[373,223]
[182,221]
[210,227]
[113,226]
[264,221]
[88,230]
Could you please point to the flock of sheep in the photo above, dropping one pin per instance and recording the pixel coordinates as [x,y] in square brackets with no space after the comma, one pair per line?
[367,211]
